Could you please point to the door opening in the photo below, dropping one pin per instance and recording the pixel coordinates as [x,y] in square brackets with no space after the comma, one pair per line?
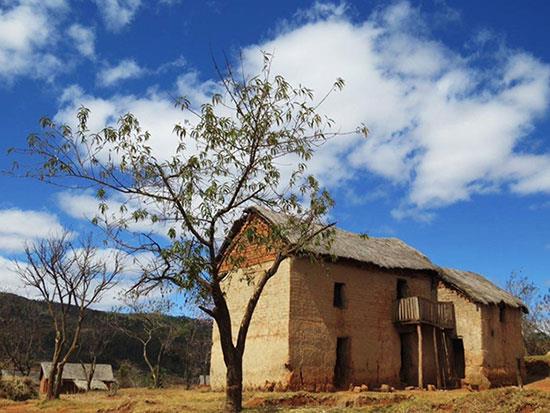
[458,357]
[342,362]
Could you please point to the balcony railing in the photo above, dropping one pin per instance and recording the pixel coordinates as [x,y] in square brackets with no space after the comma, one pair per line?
[414,310]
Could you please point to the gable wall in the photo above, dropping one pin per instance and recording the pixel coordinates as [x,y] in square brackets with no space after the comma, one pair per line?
[503,344]
[267,348]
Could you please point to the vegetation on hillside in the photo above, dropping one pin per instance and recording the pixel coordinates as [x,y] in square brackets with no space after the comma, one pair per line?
[23,319]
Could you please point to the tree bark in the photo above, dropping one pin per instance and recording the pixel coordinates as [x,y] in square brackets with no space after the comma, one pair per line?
[234,384]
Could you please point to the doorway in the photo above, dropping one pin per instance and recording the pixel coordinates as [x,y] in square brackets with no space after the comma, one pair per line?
[408,374]
[458,358]
[342,362]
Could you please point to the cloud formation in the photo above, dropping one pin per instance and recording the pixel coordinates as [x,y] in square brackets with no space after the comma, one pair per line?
[84,39]
[117,13]
[126,69]
[445,124]
[27,34]
[18,227]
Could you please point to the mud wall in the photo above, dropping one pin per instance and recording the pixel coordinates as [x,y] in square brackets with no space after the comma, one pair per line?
[267,350]
[315,324]
[502,344]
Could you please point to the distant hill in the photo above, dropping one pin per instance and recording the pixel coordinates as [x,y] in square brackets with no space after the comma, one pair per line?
[22,317]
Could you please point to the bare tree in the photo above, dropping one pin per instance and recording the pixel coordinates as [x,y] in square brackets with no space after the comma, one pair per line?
[147,323]
[249,145]
[69,279]
[94,341]
[535,324]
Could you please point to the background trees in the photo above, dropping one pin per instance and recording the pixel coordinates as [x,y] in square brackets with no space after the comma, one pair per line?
[68,278]
[536,324]
[147,324]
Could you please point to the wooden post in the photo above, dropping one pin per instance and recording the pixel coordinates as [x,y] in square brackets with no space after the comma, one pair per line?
[447,358]
[420,369]
[436,353]
[518,373]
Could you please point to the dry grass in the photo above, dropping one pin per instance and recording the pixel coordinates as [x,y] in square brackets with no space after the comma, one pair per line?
[506,400]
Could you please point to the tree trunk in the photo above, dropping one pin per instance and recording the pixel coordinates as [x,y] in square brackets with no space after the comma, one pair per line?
[58,380]
[234,385]
[50,392]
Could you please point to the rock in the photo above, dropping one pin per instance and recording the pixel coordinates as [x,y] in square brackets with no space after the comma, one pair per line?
[351,386]
[357,389]
[364,387]
[385,388]
[410,388]
[431,387]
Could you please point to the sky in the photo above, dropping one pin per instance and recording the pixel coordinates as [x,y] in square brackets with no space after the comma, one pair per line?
[456,95]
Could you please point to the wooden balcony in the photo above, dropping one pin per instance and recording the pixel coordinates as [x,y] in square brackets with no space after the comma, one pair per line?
[420,310]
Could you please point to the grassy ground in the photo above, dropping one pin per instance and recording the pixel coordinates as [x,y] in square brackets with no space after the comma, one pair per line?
[506,400]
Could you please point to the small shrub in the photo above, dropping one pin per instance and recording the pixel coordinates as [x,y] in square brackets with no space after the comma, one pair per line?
[18,389]
[129,375]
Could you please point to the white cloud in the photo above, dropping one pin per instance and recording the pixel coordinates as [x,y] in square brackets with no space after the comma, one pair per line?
[126,69]
[117,13]
[28,32]
[18,227]
[85,206]
[444,126]
[9,280]
[84,39]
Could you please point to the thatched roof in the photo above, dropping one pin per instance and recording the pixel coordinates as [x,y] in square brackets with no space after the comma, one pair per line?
[478,288]
[390,253]
[74,371]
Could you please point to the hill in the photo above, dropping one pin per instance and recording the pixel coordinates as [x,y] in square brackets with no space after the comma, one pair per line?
[27,337]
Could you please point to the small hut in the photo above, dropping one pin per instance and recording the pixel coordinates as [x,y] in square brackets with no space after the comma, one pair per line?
[74,377]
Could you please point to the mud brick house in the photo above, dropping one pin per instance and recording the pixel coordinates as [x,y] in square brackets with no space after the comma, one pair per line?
[370,311]
[74,377]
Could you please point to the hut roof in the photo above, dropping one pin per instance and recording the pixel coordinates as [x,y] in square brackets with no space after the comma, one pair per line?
[74,371]
[390,253]
[478,288]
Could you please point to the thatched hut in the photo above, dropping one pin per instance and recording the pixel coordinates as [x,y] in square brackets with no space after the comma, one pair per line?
[74,377]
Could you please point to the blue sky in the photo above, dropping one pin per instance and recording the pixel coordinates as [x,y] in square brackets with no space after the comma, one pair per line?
[456,95]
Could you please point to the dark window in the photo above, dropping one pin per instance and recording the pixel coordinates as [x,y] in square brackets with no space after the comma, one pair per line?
[339,299]
[501,313]
[402,288]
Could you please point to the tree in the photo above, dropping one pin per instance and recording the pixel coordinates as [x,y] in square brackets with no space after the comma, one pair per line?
[148,324]
[535,324]
[69,279]
[94,341]
[228,155]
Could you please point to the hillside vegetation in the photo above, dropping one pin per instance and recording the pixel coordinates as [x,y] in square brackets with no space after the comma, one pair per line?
[25,327]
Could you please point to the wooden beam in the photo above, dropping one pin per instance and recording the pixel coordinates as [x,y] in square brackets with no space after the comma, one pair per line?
[447,357]
[436,354]
[420,369]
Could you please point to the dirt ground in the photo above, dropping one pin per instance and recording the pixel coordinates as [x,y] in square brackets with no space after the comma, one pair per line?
[534,398]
